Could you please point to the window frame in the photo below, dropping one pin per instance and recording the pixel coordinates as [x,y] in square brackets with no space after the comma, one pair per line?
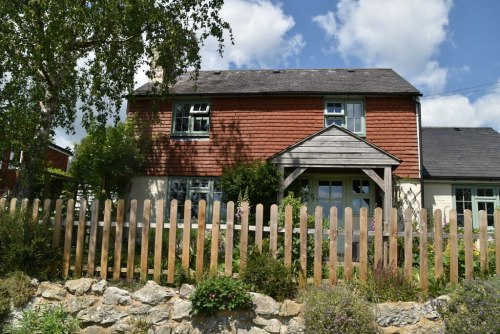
[476,199]
[343,114]
[192,116]
[212,190]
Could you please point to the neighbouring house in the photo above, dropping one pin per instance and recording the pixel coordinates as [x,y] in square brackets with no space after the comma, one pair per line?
[55,157]
[461,170]
[349,136]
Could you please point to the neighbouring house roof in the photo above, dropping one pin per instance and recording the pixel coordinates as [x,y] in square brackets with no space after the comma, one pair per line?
[334,146]
[61,149]
[461,153]
[296,81]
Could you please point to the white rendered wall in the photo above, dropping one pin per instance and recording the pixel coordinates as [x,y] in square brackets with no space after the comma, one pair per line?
[438,196]
[148,187]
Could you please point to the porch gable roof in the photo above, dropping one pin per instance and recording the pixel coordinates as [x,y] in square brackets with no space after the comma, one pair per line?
[334,147]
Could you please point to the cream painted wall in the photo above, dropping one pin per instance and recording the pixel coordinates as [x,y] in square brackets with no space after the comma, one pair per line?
[408,195]
[148,187]
[438,196]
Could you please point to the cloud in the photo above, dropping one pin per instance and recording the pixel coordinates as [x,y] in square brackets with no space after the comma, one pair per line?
[404,35]
[459,110]
[262,39]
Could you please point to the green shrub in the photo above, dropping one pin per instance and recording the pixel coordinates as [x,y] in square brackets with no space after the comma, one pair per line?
[269,276]
[45,320]
[386,284]
[219,293]
[336,309]
[183,276]
[474,307]
[16,290]
[25,246]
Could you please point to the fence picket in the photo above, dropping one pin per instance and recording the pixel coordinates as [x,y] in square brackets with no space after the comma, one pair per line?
[13,206]
[172,236]
[158,241]
[288,235]
[67,238]
[318,239]
[200,240]
[80,238]
[106,231]
[273,242]
[35,210]
[378,238]
[146,216]
[469,256]
[496,220]
[186,235]
[2,204]
[214,247]
[348,244]
[483,241]
[244,236]
[393,239]
[228,260]
[92,238]
[438,244]
[303,247]
[120,217]
[424,282]
[57,225]
[46,212]
[333,246]
[259,223]
[408,265]
[24,204]
[132,230]
[453,240]
[363,244]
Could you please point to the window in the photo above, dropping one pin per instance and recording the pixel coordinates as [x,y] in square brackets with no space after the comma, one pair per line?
[195,189]
[191,118]
[360,195]
[476,198]
[15,158]
[348,114]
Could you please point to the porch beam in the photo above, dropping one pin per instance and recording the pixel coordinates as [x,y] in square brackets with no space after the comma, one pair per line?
[387,194]
[374,176]
[292,177]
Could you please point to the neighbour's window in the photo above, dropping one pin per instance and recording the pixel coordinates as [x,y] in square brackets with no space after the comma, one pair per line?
[191,118]
[476,198]
[15,158]
[348,114]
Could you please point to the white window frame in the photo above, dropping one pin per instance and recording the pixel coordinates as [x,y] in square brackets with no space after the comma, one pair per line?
[476,199]
[195,113]
[342,114]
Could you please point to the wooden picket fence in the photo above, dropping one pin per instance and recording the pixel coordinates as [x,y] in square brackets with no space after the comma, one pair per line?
[94,236]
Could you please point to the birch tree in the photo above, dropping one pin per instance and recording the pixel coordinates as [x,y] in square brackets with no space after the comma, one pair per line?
[61,57]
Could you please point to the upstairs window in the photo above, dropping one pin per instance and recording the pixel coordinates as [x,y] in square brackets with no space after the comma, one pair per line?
[347,114]
[191,118]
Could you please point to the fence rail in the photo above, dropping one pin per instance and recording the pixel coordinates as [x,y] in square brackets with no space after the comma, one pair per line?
[143,246]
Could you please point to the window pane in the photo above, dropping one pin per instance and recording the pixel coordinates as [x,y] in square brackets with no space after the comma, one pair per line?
[459,194]
[358,112]
[467,194]
[200,124]
[182,117]
[484,192]
[350,125]
[359,203]
[324,189]
[334,108]
[360,187]
[337,190]
[357,125]
[334,120]
[350,110]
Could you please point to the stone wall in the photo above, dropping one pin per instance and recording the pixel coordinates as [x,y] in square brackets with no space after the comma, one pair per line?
[154,309]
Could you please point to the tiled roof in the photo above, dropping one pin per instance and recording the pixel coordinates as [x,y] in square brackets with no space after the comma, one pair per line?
[461,153]
[305,81]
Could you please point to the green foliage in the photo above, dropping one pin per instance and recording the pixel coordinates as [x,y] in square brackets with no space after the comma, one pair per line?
[183,276]
[46,320]
[260,180]
[269,276]
[476,259]
[474,307]
[386,284]
[15,290]
[25,246]
[107,158]
[57,53]
[219,293]
[336,309]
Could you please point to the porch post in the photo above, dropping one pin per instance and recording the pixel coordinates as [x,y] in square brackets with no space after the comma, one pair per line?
[387,195]
[281,191]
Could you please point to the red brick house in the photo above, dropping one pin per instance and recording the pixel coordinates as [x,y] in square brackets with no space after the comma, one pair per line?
[346,134]
[55,156]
